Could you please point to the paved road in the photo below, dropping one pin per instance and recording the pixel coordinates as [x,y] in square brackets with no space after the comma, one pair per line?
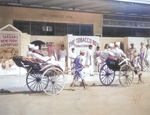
[97,100]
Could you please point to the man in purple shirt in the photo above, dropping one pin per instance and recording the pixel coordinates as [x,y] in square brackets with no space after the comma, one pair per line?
[52,51]
[79,69]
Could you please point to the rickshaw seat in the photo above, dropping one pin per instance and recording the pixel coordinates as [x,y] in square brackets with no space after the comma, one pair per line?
[113,64]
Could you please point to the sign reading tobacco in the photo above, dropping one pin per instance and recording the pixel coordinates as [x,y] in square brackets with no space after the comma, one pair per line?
[81,43]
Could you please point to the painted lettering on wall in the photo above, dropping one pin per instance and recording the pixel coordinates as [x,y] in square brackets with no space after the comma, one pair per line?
[78,41]
[45,46]
[9,40]
[56,16]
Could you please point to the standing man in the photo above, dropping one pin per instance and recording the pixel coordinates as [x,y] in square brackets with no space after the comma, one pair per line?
[131,53]
[52,51]
[62,57]
[142,55]
[72,58]
[147,57]
[89,60]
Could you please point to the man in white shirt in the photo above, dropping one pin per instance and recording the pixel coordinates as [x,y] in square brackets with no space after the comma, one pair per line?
[62,54]
[147,57]
[89,60]
[142,55]
[72,58]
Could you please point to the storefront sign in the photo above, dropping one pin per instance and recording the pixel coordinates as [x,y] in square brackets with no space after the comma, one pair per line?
[9,47]
[81,43]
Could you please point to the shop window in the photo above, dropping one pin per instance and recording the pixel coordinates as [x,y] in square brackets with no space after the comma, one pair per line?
[53,29]
[73,29]
[38,28]
[49,28]
[22,26]
[86,30]
[60,29]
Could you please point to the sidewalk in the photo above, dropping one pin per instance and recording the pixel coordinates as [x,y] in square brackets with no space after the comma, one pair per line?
[17,83]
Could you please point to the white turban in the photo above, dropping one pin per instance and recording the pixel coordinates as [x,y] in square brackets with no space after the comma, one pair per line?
[36,48]
[31,46]
[82,51]
[117,43]
[111,45]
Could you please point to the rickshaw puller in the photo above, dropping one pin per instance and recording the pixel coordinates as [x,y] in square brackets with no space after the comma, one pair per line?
[79,69]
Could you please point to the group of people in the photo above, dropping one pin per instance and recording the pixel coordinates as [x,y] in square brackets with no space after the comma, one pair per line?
[111,54]
[34,55]
[143,56]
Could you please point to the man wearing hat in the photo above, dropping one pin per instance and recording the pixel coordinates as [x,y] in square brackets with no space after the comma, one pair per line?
[30,53]
[142,55]
[79,69]
[131,53]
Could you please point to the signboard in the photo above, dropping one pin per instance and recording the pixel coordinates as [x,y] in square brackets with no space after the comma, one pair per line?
[81,43]
[9,47]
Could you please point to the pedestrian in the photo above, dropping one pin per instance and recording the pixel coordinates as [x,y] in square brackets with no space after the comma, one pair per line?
[79,65]
[131,53]
[62,57]
[89,59]
[142,55]
[147,57]
[52,51]
[72,58]
[97,59]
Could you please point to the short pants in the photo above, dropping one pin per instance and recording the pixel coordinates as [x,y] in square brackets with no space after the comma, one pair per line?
[79,74]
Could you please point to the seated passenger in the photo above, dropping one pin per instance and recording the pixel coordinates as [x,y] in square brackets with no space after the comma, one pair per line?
[30,53]
[46,59]
[104,54]
[115,55]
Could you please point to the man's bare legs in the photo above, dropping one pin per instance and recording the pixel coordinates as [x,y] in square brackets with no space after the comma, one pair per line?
[140,78]
[72,85]
[83,83]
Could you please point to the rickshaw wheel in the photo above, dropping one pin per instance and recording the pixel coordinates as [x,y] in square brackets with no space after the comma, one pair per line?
[33,81]
[56,81]
[126,75]
[106,75]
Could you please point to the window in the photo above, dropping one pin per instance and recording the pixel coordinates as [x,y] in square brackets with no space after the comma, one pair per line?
[37,28]
[49,29]
[73,29]
[86,30]
[22,26]
[60,29]
[53,29]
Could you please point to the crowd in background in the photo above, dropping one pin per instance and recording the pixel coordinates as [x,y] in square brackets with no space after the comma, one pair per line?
[111,55]
[139,59]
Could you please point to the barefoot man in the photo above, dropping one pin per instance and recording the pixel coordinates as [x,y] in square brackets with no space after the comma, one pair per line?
[79,69]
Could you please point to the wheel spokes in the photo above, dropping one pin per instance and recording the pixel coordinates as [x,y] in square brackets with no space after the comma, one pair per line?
[106,75]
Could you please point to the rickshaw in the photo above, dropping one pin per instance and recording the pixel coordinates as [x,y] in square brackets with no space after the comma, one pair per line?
[42,76]
[108,70]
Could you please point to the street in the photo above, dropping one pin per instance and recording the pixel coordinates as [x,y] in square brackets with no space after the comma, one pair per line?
[96,100]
